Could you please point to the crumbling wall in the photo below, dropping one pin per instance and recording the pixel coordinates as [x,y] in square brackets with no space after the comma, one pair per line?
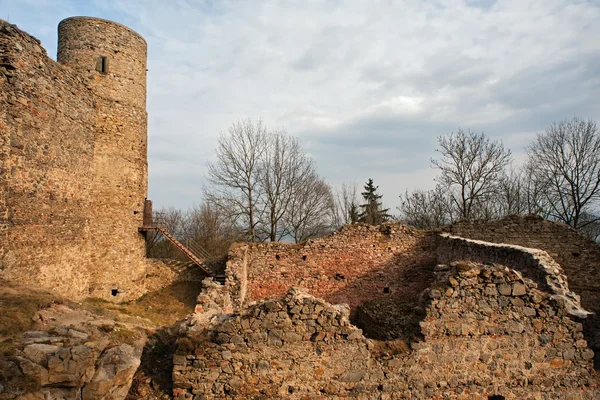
[352,265]
[486,330]
[281,348]
[535,264]
[578,256]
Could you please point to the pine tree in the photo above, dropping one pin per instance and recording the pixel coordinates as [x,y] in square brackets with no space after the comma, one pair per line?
[372,211]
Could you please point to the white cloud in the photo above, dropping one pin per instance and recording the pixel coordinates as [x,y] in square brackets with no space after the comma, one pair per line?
[367,86]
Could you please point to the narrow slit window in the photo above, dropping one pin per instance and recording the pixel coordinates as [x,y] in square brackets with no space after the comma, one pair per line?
[102,64]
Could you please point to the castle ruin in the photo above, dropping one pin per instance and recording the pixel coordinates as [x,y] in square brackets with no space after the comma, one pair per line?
[478,318]
[73,161]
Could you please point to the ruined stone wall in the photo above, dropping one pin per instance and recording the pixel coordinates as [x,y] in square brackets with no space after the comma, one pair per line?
[486,331]
[352,265]
[578,256]
[73,166]
[46,156]
[535,264]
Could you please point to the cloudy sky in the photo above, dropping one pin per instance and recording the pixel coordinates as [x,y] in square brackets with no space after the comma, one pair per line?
[366,86]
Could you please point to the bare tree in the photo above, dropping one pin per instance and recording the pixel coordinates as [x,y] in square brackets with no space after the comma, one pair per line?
[234,177]
[344,204]
[310,209]
[284,170]
[426,209]
[210,230]
[470,170]
[534,192]
[511,195]
[565,162]
[256,179]
[172,219]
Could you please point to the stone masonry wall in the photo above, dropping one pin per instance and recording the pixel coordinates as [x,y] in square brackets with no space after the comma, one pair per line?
[73,172]
[578,256]
[535,264]
[46,154]
[120,180]
[352,265]
[486,331]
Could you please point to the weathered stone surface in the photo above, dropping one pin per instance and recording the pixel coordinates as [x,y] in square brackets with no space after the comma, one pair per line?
[578,256]
[75,358]
[473,345]
[355,264]
[73,162]
[114,374]
[535,264]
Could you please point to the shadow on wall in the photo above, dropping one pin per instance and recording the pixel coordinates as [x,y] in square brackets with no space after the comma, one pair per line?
[386,301]
[354,265]
[578,256]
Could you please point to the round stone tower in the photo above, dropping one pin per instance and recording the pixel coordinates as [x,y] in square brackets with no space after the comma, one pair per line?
[112,56]
[111,59]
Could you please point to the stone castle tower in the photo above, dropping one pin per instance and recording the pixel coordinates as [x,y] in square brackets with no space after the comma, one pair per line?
[113,59]
[73,160]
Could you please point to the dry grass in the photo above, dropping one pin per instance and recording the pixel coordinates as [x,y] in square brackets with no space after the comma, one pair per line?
[163,307]
[18,307]
[390,348]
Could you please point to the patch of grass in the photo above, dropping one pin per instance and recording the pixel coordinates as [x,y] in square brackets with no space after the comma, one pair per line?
[121,334]
[163,307]
[390,348]
[18,309]
[7,347]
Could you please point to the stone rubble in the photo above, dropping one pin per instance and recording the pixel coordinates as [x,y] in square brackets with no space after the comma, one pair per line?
[487,330]
[78,356]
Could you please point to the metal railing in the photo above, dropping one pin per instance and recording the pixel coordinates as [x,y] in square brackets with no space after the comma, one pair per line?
[159,222]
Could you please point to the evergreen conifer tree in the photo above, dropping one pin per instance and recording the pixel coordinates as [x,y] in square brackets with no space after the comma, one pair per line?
[372,211]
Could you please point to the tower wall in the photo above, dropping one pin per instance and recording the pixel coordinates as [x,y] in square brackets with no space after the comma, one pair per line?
[112,58]
[46,164]
[73,162]
[84,41]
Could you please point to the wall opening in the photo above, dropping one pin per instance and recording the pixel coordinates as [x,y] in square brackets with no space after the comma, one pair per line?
[102,64]
[277,256]
[496,397]
[386,289]
[304,258]
[114,292]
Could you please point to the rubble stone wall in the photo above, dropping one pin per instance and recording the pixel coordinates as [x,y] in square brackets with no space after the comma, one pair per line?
[486,331]
[535,264]
[578,256]
[352,265]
